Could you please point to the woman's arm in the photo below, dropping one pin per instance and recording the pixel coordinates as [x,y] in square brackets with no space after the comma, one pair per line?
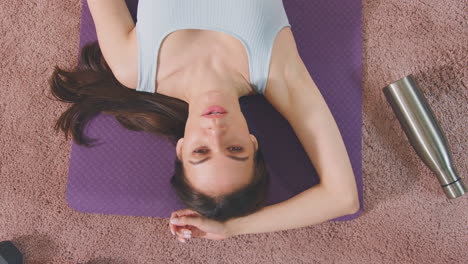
[115,31]
[299,100]
[310,207]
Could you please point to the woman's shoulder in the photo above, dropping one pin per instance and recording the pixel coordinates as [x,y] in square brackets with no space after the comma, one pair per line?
[128,75]
[285,63]
[284,58]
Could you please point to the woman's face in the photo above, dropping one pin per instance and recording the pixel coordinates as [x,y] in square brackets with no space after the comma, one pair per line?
[217,150]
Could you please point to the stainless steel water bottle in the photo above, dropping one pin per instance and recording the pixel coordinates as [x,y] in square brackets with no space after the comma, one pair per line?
[424,133]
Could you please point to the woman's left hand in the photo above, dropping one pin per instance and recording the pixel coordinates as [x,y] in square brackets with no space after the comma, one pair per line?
[197,225]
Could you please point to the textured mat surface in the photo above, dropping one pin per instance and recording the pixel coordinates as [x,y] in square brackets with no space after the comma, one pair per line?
[406,217]
[129,172]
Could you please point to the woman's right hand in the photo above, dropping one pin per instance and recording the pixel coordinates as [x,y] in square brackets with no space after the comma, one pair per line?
[198,225]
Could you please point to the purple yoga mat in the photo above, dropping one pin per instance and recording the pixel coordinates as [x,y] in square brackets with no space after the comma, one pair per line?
[128,172]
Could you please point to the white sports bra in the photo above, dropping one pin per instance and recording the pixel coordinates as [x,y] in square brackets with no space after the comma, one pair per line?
[254,22]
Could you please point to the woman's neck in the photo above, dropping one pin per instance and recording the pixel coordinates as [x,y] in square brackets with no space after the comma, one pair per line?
[209,75]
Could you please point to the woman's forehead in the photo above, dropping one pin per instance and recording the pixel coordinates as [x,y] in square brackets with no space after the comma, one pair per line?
[218,176]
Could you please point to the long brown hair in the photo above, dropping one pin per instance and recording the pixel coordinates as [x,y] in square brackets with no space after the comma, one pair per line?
[92,88]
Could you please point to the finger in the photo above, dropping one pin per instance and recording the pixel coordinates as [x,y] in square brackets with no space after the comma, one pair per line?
[184,233]
[172,229]
[177,230]
[184,212]
[187,220]
[195,231]
[178,213]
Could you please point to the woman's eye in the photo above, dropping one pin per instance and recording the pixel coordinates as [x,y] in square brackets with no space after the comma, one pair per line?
[205,150]
[201,151]
[235,149]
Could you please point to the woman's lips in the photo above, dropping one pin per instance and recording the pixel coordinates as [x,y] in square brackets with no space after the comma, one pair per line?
[215,116]
[214,112]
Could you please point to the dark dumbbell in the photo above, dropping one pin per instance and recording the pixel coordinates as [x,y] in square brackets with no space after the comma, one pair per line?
[9,254]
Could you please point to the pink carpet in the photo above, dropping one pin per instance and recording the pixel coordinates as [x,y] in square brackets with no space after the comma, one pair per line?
[407,218]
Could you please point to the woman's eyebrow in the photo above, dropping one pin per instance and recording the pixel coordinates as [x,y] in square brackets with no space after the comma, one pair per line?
[232,157]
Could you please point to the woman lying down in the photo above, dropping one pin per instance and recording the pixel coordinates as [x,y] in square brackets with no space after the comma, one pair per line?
[179,72]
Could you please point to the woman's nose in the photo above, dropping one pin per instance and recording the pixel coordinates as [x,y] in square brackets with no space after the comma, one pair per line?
[216,127]
[215,133]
